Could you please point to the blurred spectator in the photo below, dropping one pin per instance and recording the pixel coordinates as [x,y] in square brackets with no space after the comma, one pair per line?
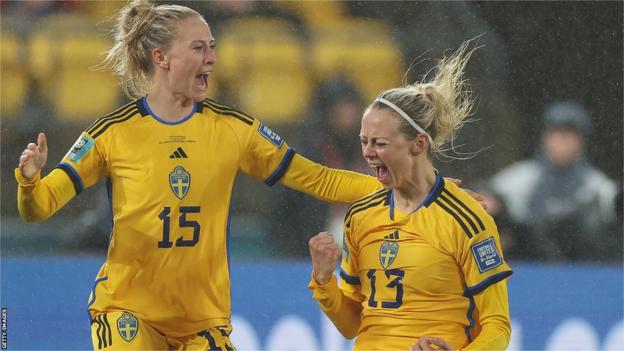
[565,203]
[329,135]
[513,242]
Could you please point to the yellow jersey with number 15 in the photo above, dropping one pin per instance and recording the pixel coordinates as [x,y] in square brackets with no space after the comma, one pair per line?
[170,186]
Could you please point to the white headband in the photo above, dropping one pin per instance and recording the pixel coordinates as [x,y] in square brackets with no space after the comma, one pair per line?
[404,115]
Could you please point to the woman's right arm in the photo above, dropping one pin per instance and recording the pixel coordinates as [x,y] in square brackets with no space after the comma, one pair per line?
[342,310]
[38,199]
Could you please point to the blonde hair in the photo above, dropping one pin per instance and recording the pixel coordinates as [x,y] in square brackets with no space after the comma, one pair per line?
[141,27]
[440,106]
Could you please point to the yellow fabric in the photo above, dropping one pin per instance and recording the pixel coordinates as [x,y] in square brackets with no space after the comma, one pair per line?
[495,326]
[331,300]
[170,188]
[326,183]
[421,274]
[122,330]
[38,199]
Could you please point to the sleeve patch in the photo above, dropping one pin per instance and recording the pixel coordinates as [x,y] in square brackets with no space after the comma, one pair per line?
[486,255]
[80,148]
[271,136]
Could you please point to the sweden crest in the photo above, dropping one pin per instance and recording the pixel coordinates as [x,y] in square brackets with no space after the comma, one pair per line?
[388,252]
[180,182]
[128,326]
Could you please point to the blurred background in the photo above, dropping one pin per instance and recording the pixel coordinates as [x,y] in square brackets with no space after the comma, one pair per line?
[548,125]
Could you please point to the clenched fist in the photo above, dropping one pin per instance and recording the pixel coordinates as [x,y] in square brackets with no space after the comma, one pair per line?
[325,253]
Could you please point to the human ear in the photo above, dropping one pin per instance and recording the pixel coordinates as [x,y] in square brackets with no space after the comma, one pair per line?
[419,145]
[160,59]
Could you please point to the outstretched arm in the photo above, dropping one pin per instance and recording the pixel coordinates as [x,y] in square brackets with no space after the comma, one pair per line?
[38,199]
[326,183]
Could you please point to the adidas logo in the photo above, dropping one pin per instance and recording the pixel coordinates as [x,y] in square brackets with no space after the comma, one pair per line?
[392,236]
[179,153]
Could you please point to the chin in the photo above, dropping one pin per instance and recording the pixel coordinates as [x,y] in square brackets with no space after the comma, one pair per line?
[386,183]
[198,97]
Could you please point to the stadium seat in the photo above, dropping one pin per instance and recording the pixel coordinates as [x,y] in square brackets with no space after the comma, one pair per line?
[313,12]
[14,78]
[361,49]
[80,91]
[63,53]
[262,60]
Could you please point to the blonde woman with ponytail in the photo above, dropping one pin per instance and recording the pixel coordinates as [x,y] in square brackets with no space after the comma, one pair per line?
[170,158]
[422,266]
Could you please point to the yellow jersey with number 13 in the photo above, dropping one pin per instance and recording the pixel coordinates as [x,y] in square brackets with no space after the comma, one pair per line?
[416,274]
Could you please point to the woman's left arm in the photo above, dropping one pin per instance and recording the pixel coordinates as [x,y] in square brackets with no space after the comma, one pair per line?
[328,184]
[493,307]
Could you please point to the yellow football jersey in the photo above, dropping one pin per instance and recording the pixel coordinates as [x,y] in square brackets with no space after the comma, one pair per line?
[170,186]
[166,262]
[416,274]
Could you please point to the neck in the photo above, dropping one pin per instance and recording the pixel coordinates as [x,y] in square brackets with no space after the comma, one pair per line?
[410,195]
[169,106]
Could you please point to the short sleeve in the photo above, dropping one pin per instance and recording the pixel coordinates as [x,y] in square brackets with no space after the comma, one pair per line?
[83,163]
[266,155]
[481,258]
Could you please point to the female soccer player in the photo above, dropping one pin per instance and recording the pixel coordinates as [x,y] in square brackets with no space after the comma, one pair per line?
[422,265]
[170,158]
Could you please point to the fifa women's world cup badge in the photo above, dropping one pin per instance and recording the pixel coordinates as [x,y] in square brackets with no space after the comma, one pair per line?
[180,182]
[128,326]
[389,249]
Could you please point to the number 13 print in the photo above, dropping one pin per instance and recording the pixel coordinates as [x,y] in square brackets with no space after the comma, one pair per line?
[396,283]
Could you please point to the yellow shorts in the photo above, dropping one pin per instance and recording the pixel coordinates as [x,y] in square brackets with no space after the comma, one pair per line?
[124,331]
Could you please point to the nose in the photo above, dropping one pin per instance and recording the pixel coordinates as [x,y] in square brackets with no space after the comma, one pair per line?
[368,151]
[211,57]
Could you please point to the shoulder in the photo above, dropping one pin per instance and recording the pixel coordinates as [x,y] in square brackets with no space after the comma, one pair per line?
[517,179]
[227,114]
[596,179]
[121,116]
[367,203]
[462,210]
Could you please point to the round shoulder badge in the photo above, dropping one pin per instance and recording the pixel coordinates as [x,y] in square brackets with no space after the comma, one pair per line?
[128,326]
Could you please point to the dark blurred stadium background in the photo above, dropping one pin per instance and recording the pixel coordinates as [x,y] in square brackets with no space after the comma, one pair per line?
[273,59]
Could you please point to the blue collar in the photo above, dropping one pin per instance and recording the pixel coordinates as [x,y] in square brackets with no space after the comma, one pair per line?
[151,113]
[437,188]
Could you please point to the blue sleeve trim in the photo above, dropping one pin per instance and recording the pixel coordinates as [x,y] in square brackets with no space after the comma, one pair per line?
[474,290]
[471,321]
[349,278]
[73,175]
[282,168]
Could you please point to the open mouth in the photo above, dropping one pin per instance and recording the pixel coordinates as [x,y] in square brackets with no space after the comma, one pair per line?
[381,172]
[201,80]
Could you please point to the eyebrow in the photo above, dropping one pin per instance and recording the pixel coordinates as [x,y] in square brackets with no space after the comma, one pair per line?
[201,41]
[373,137]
